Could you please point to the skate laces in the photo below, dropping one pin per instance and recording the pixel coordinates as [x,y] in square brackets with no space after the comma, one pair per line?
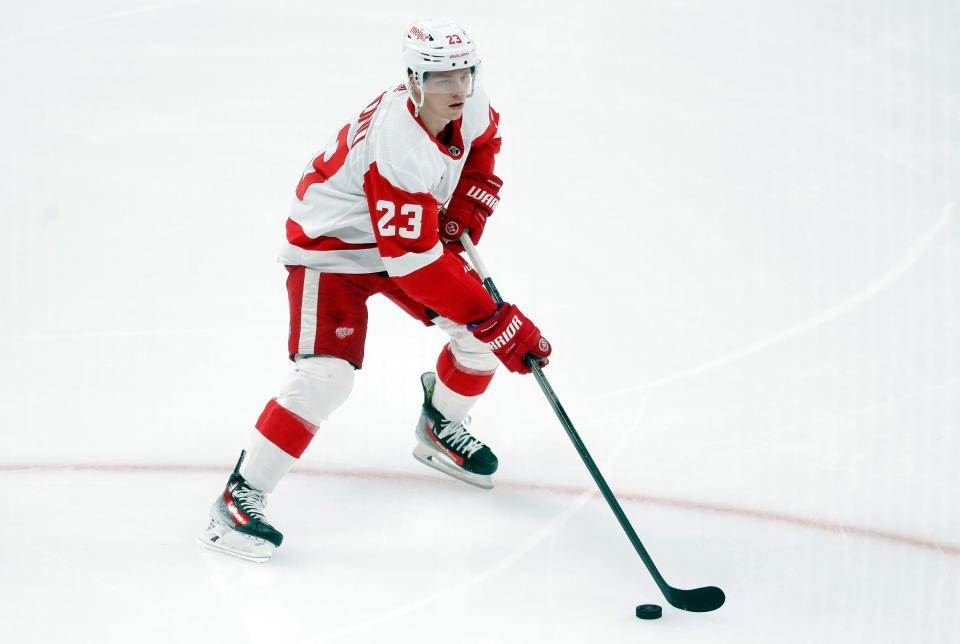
[455,434]
[251,501]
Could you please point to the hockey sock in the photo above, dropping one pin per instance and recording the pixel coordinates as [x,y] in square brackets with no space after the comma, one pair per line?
[280,439]
[458,388]
[265,464]
[316,387]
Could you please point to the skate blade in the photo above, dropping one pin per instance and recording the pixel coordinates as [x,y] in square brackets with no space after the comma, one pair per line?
[220,537]
[442,463]
[216,547]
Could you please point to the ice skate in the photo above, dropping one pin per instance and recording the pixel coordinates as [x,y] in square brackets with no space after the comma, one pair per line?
[448,447]
[237,526]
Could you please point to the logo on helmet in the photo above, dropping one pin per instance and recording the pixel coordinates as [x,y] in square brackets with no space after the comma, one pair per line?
[419,34]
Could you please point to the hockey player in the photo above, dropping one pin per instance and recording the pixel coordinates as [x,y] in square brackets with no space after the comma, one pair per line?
[381,210]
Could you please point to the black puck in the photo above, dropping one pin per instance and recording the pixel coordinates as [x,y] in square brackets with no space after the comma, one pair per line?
[649,611]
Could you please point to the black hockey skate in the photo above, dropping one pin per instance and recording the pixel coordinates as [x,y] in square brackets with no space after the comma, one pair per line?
[237,525]
[448,447]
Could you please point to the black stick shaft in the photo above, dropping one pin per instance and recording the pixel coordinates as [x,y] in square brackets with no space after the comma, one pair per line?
[699,599]
[572,432]
[597,476]
[492,290]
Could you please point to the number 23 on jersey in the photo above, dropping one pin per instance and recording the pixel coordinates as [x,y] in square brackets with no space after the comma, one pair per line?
[406,225]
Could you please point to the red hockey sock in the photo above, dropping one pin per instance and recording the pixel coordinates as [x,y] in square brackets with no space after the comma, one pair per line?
[460,379]
[285,429]
[458,387]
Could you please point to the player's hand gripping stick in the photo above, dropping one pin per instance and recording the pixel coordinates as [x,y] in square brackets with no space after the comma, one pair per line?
[698,600]
[513,338]
[477,194]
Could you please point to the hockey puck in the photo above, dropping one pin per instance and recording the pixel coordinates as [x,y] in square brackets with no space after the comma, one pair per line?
[649,611]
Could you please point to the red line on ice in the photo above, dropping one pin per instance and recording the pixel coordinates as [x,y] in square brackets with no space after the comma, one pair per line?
[949,549]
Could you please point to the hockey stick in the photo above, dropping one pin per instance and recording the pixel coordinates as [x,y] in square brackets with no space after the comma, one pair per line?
[697,600]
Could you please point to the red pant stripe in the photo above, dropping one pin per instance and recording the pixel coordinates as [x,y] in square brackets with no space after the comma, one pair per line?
[463,380]
[285,429]
[295,295]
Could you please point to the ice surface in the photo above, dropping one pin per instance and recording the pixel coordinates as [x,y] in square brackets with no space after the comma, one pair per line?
[737,223]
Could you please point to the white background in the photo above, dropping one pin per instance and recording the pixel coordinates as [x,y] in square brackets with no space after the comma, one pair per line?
[736,222]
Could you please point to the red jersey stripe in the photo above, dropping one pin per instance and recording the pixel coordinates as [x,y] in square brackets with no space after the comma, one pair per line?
[326,168]
[300,239]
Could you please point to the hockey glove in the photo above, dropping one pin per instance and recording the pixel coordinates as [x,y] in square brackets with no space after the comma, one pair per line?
[472,202]
[512,336]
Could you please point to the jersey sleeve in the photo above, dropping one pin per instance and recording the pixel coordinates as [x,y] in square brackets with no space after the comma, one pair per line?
[484,147]
[404,216]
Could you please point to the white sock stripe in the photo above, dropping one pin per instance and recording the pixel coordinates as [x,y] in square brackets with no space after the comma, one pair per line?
[459,357]
[265,463]
[308,311]
[472,354]
[475,363]
[452,405]
[316,388]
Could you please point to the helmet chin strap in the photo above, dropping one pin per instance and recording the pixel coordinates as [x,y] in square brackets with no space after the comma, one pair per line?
[413,99]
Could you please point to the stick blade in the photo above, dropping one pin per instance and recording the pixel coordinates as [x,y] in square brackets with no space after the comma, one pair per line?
[697,600]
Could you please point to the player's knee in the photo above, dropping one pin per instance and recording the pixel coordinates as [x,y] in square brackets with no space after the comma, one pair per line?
[317,386]
[472,353]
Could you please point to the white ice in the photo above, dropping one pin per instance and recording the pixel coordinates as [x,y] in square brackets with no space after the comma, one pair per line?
[736,222]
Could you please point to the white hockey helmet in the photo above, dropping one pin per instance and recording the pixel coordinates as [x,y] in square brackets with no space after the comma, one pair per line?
[437,45]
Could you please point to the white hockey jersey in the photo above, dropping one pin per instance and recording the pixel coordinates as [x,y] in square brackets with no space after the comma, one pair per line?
[368,203]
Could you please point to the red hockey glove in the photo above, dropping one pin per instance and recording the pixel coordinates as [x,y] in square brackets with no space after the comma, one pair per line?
[512,337]
[472,202]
